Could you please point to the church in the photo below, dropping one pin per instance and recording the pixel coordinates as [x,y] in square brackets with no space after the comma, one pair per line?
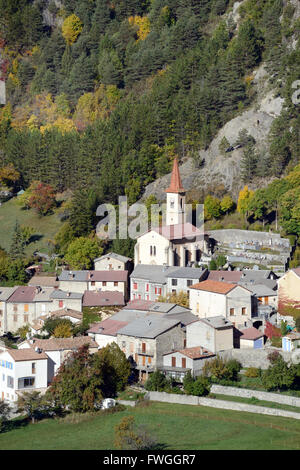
[178,242]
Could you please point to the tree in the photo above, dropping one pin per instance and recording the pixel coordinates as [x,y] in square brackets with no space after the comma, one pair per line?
[17,244]
[71,28]
[221,369]
[128,436]
[42,198]
[244,199]
[32,404]
[249,163]
[212,208]
[9,176]
[227,204]
[279,375]
[180,299]
[4,413]
[82,251]
[63,330]
[157,382]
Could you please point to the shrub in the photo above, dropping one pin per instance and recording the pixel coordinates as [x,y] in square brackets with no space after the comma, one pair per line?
[252,372]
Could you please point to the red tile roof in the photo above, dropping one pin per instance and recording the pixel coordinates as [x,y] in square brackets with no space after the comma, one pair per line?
[26,355]
[139,304]
[196,352]
[251,333]
[24,294]
[179,231]
[103,298]
[58,344]
[176,185]
[107,327]
[217,287]
[107,275]
[226,276]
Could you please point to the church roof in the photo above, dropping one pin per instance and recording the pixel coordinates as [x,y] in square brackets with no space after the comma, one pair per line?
[179,231]
[176,184]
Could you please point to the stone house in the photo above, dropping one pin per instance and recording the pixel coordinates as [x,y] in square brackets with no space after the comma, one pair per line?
[177,363]
[147,339]
[71,300]
[148,282]
[105,332]
[214,298]
[5,294]
[113,261]
[213,333]
[251,338]
[183,278]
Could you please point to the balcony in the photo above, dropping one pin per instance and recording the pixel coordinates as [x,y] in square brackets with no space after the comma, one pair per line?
[144,352]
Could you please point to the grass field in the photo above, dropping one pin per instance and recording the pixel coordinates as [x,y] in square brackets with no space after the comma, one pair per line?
[176,427]
[46,227]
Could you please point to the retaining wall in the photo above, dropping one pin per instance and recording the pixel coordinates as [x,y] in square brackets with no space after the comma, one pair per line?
[259,357]
[246,393]
[222,404]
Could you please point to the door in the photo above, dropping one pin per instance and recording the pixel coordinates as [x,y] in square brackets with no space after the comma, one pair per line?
[173,361]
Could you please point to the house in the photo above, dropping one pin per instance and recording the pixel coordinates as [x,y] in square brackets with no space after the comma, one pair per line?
[105,332]
[177,363]
[212,298]
[57,349]
[22,370]
[289,290]
[103,299]
[44,281]
[291,341]
[113,261]
[148,282]
[68,314]
[5,294]
[213,333]
[178,242]
[147,339]
[107,280]
[183,278]
[43,300]
[71,300]
[251,338]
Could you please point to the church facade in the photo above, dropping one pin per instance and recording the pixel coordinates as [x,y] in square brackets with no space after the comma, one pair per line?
[177,243]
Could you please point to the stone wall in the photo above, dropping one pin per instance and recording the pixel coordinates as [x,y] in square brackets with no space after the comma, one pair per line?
[213,403]
[259,357]
[246,393]
[229,236]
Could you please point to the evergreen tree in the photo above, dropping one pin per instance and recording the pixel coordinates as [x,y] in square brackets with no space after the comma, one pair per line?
[17,244]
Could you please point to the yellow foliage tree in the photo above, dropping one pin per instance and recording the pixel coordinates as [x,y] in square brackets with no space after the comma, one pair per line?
[245,197]
[64,125]
[8,175]
[63,330]
[142,23]
[71,28]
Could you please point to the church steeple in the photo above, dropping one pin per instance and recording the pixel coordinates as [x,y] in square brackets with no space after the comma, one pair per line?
[176,185]
[175,198]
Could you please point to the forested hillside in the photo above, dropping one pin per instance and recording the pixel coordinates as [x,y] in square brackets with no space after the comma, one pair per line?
[101,95]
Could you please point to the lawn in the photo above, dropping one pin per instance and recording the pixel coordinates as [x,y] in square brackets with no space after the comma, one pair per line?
[46,227]
[183,427]
[255,401]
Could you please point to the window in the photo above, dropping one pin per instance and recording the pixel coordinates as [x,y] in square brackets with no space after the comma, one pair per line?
[172,203]
[244,310]
[158,290]
[1,313]
[197,307]
[189,282]
[150,250]
[15,318]
[154,250]
[61,303]
[183,363]
[147,287]
[26,308]
[15,308]
[104,283]
[174,282]
[116,283]
[10,382]
[135,286]
[231,311]
[93,283]
[143,347]
[28,382]
[173,361]
[33,369]
[26,318]
[266,300]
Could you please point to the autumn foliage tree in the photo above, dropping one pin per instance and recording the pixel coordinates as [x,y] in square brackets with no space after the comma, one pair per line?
[42,197]
[8,176]
[71,28]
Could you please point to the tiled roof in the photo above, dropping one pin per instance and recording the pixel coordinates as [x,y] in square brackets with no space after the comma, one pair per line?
[103,298]
[217,287]
[196,353]
[43,281]
[109,275]
[116,256]
[150,326]
[227,276]
[176,184]
[24,294]
[107,327]
[216,322]
[67,312]
[26,354]
[58,344]
[251,333]
[139,304]
[179,231]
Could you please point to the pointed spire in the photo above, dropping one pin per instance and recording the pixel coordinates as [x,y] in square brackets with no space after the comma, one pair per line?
[176,185]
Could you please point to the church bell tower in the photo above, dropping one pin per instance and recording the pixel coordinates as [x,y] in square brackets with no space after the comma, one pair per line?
[175,198]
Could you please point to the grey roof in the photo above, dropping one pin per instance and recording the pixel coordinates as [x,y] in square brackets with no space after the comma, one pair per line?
[152,273]
[185,318]
[44,295]
[6,292]
[188,273]
[255,275]
[260,290]
[73,276]
[116,256]
[149,327]
[217,322]
[128,315]
[59,294]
